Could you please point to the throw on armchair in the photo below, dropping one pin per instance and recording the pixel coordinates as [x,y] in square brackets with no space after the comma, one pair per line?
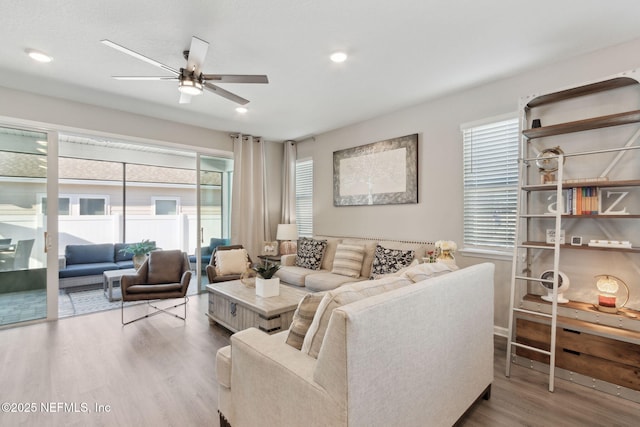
[233,266]
[164,275]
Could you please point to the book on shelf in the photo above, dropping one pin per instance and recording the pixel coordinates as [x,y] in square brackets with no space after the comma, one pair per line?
[581,200]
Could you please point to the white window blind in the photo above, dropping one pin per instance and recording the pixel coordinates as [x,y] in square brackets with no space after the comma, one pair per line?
[490,184]
[304,197]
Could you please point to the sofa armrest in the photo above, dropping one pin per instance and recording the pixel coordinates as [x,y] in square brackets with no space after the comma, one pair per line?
[288,260]
[276,381]
[62,262]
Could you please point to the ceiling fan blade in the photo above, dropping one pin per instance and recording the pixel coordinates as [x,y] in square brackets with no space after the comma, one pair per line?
[145,78]
[236,78]
[185,98]
[139,56]
[197,53]
[225,94]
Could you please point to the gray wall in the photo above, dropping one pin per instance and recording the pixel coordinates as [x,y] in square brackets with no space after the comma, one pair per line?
[438,215]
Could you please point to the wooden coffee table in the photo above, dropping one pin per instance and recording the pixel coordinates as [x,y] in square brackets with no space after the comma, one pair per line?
[236,307]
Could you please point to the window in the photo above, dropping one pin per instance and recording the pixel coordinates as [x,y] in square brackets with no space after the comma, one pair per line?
[304,197]
[92,206]
[165,206]
[490,183]
[64,206]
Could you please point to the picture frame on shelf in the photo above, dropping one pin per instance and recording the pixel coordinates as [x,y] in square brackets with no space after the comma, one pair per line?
[576,241]
[551,236]
[270,248]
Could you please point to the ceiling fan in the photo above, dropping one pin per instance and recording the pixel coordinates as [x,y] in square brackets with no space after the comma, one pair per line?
[191,80]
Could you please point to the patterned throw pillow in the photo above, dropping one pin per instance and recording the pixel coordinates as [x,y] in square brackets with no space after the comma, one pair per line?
[348,260]
[302,319]
[310,253]
[388,261]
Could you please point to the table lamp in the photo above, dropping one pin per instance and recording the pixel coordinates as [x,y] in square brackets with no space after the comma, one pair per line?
[608,286]
[288,236]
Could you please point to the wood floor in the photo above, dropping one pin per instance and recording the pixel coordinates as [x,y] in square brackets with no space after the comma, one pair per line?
[161,372]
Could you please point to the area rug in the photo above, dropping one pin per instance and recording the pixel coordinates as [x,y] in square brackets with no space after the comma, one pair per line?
[91,301]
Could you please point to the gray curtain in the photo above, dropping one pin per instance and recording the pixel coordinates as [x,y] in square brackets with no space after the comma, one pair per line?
[289,183]
[249,213]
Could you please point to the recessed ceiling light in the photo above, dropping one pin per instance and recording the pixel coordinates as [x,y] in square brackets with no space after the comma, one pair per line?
[241,110]
[38,56]
[338,57]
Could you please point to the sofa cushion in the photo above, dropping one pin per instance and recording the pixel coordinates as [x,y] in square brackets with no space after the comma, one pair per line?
[348,260]
[223,366]
[310,253]
[389,261]
[339,297]
[302,318]
[295,275]
[326,281]
[89,269]
[329,252]
[86,254]
[231,261]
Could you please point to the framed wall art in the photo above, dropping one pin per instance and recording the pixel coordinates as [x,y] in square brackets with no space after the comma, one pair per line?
[381,173]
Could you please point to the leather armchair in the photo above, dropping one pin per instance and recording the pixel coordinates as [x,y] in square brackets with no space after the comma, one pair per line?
[164,275]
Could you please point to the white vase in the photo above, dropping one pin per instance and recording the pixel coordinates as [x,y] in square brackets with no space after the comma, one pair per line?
[267,287]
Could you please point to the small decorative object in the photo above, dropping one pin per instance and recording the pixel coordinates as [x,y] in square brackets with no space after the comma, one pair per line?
[610,244]
[608,287]
[445,250]
[139,251]
[547,162]
[248,278]
[430,258]
[266,284]
[288,236]
[270,248]
[536,124]
[551,236]
[563,285]
[576,241]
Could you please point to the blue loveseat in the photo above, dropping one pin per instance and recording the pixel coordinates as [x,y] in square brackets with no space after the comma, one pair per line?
[84,264]
[205,256]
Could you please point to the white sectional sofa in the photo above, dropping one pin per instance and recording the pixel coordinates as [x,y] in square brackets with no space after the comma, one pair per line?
[420,354]
[325,279]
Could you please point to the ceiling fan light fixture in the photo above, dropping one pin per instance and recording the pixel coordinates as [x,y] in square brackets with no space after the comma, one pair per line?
[190,87]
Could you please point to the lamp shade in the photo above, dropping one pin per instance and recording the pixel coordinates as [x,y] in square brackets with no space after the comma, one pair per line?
[287,232]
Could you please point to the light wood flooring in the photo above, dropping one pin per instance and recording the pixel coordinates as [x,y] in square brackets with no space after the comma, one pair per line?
[161,372]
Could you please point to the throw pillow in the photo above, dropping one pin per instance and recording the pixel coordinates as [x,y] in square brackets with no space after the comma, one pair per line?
[232,261]
[348,260]
[388,261]
[341,296]
[427,271]
[310,253]
[302,318]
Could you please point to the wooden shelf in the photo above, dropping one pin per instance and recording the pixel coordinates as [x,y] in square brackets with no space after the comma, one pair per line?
[583,306]
[601,184]
[579,91]
[583,125]
[582,247]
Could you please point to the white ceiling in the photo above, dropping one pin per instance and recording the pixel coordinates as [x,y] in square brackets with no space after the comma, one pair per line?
[401,52]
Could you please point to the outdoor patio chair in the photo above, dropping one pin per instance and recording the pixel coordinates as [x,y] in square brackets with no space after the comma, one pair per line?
[214,276]
[164,275]
[19,258]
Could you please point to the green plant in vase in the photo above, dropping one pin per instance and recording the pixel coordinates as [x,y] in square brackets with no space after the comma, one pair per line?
[266,270]
[139,251]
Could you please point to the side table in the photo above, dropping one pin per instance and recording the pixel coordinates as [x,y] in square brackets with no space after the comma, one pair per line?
[111,278]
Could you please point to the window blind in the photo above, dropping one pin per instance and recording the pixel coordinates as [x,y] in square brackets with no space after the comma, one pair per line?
[490,184]
[304,197]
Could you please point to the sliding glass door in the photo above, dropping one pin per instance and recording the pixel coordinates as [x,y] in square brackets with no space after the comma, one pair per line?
[23,261]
